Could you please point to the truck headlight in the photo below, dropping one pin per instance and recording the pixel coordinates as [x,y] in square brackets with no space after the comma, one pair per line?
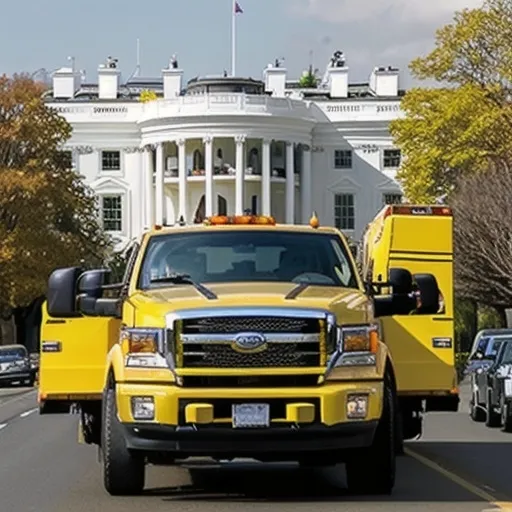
[143,408]
[359,338]
[143,347]
[357,346]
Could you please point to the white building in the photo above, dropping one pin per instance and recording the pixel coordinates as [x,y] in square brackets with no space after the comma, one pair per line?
[221,145]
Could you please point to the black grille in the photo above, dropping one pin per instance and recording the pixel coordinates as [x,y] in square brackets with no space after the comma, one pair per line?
[236,324]
[251,381]
[277,355]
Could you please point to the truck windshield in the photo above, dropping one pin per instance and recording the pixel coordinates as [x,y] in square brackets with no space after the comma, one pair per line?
[237,256]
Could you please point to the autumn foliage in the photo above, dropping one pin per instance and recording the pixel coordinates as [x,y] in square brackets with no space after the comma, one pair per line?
[47,215]
[465,125]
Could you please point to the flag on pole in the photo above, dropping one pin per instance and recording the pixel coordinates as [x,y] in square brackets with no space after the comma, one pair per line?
[238,9]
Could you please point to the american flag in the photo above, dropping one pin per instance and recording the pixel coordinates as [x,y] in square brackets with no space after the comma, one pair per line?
[238,9]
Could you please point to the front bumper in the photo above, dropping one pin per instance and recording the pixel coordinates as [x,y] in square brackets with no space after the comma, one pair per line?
[15,376]
[328,430]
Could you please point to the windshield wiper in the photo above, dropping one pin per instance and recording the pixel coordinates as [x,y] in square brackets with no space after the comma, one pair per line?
[177,278]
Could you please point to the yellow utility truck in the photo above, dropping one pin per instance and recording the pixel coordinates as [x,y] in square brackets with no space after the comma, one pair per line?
[417,238]
[234,338]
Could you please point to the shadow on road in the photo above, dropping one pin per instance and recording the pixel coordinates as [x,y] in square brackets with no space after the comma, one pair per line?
[289,484]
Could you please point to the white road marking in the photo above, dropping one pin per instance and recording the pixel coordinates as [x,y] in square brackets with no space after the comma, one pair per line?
[27,413]
[3,425]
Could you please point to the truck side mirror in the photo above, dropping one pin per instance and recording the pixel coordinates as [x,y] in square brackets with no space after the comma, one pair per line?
[429,294]
[401,301]
[91,287]
[61,293]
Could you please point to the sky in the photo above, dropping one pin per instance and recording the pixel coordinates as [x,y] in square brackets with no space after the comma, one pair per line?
[370,33]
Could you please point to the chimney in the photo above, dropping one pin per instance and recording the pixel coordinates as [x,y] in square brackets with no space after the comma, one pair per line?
[66,82]
[338,76]
[173,77]
[275,79]
[108,80]
[384,81]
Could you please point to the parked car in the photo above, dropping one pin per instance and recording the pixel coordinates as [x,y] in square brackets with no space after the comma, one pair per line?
[499,389]
[482,356]
[15,365]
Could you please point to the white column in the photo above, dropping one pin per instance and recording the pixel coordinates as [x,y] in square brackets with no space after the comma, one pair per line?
[208,183]
[182,173]
[305,185]
[159,185]
[265,179]
[290,184]
[240,175]
[149,209]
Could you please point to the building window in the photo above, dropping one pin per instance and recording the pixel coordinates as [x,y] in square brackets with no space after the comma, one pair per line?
[112,213]
[254,205]
[344,211]
[342,159]
[392,198]
[222,206]
[392,158]
[111,160]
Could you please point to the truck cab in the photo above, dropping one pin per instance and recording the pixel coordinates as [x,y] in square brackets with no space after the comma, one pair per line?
[241,338]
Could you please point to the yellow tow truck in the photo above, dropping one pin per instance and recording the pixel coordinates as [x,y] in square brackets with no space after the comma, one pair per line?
[234,338]
[418,238]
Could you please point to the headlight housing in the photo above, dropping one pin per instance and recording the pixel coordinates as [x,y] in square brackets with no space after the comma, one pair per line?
[143,347]
[357,345]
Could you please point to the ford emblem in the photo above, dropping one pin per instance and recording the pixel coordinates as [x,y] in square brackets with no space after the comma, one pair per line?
[249,341]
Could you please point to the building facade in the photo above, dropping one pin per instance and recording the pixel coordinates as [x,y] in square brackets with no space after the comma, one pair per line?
[224,145]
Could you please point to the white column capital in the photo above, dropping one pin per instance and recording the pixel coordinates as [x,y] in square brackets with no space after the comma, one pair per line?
[266,141]
[240,139]
[149,147]
[181,142]
[289,143]
[208,139]
[306,147]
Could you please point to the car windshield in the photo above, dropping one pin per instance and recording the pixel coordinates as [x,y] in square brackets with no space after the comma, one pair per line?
[506,353]
[481,347]
[12,352]
[492,348]
[238,256]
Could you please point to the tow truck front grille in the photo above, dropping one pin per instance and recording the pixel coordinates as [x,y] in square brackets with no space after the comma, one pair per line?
[211,342]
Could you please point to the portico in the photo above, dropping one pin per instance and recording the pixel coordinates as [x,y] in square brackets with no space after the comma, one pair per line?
[193,177]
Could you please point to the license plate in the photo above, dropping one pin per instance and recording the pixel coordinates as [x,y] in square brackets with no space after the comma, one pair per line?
[251,415]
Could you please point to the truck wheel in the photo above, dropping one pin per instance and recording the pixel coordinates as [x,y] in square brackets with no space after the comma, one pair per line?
[491,418]
[372,470]
[123,471]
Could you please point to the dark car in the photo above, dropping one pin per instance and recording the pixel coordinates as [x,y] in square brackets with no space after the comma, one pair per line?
[499,389]
[15,365]
[481,359]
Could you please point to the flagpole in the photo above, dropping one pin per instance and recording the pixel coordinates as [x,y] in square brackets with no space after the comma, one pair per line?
[233,39]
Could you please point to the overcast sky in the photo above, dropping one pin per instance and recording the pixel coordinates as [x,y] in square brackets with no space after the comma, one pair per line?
[372,33]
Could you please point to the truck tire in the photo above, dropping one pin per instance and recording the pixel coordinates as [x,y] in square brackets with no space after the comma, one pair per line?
[123,471]
[372,470]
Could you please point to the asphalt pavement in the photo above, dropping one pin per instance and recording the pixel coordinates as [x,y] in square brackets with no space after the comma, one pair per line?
[458,466]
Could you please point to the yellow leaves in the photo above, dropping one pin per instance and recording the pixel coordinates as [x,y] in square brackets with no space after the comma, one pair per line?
[147,95]
[47,215]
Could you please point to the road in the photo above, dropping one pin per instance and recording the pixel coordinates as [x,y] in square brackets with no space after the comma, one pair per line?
[458,466]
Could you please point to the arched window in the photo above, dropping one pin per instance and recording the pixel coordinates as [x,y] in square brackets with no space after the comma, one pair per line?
[254,160]
[222,205]
[200,211]
[198,160]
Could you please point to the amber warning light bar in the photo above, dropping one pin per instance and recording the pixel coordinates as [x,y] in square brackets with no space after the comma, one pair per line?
[443,211]
[218,220]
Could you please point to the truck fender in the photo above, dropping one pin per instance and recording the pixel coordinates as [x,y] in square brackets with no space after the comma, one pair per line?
[115,366]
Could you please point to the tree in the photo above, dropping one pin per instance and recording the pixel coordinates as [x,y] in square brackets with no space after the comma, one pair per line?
[460,128]
[483,238]
[308,78]
[48,216]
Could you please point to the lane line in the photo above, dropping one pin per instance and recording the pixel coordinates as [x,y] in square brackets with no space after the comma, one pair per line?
[27,413]
[465,484]
[3,425]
